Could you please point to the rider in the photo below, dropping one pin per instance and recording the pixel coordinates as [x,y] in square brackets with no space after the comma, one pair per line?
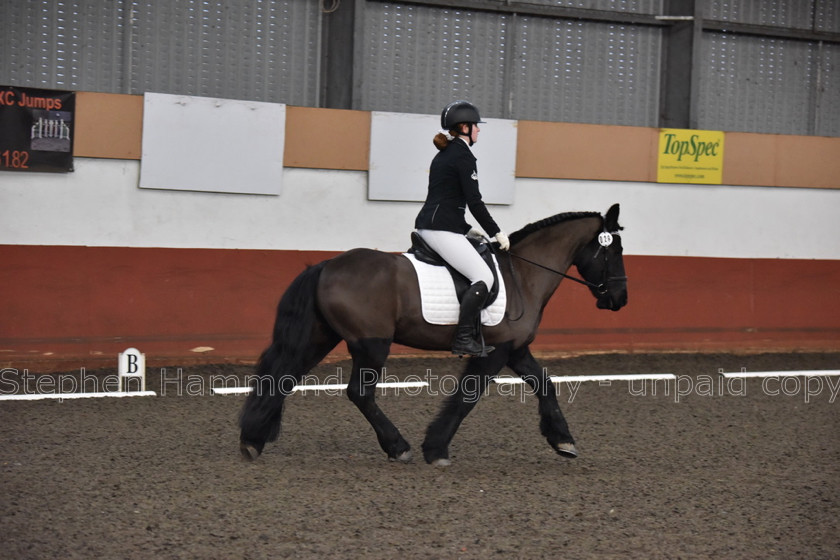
[453,186]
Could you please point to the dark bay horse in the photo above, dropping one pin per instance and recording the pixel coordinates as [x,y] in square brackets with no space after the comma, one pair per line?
[371,299]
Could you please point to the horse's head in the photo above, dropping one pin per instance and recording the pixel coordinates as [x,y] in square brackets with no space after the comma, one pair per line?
[601,263]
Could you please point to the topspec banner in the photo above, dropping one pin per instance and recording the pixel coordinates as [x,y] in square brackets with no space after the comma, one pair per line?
[36,129]
[690,156]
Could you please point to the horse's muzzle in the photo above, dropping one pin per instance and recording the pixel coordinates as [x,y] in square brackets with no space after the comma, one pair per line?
[611,301]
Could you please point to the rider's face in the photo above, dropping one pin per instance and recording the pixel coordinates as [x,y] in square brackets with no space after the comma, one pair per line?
[465,128]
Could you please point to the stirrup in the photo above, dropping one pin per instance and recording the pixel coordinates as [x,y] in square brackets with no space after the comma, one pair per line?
[475,348]
[485,351]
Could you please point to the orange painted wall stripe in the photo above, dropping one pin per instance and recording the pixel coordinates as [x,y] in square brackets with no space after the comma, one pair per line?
[586,151]
[110,126]
[327,138]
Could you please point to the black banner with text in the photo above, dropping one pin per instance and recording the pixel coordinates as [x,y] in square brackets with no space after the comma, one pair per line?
[36,129]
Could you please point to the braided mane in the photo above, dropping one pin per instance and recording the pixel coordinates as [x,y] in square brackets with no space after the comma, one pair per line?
[521,234]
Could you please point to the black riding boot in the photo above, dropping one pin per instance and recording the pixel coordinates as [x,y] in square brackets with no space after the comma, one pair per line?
[468,339]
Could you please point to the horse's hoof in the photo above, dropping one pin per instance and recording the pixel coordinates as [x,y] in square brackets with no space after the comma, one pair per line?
[442,463]
[567,450]
[404,457]
[249,452]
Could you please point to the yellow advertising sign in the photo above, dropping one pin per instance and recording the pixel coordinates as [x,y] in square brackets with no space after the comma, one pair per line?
[690,156]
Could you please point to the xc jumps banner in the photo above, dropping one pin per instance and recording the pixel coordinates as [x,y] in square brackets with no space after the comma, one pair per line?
[36,129]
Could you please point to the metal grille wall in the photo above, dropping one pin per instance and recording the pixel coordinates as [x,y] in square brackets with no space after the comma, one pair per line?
[62,45]
[265,51]
[236,49]
[819,15]
[779,72]
[511,66]
[588,72]
[416,59]
[771,85]
[629,6]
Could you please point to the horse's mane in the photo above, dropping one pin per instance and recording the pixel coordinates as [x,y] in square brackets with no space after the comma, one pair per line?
[521,234]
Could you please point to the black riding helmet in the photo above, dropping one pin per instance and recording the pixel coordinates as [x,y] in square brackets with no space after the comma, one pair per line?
[459,112]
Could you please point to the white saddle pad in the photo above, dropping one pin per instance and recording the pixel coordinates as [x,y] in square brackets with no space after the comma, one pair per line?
[439,301]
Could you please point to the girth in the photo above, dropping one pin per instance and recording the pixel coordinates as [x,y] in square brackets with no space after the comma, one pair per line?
[423,253]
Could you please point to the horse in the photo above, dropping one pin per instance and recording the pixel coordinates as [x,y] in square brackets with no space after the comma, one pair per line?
[371,299]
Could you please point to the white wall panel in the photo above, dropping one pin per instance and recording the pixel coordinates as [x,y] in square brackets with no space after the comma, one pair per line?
[708,221]
[209,144]
[401,152]
[100,205]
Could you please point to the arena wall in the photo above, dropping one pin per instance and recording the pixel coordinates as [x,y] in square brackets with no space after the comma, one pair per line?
[92,264]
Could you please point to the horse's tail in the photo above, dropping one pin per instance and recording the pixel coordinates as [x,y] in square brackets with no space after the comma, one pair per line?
[284,362]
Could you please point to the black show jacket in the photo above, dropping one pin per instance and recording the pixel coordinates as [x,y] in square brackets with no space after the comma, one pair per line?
[453,186]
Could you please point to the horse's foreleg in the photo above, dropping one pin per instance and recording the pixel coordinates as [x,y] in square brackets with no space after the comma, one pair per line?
[552,422]
[368,358]
[472,384]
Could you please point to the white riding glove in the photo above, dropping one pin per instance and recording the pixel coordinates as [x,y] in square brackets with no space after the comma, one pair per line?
[475,234]
[504,242]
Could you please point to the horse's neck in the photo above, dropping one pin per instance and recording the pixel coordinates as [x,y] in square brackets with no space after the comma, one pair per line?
[555,247]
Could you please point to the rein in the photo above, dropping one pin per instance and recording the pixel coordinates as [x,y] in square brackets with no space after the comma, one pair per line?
[600,287]
[549,269]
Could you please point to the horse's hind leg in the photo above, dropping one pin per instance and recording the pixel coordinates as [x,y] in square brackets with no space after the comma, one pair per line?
[472,384]
[263,409]
[262,412]
[369,356]
[552,423]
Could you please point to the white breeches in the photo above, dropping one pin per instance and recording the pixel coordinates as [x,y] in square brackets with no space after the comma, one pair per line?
[459,252]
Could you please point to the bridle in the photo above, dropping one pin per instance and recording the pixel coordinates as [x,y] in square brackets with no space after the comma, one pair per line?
[605,239]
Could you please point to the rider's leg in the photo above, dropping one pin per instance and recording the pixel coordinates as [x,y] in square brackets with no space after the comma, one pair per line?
[456,249]
[468,340]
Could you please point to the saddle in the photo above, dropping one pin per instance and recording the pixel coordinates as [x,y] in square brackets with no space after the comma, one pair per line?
[423,253]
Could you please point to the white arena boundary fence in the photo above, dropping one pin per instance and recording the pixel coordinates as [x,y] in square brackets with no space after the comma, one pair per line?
[305,387]
[67,396]
[499,380]
[765,374]
[602,380]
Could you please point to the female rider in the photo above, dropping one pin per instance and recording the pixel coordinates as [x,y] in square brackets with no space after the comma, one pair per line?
[453,187]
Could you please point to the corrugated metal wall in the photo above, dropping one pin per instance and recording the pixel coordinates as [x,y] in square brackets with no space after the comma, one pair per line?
[585,72]
[756,84]
[761,84]
[794,14]
[413,58]
[416,59]
[62,44]
[235,49]
[630,6]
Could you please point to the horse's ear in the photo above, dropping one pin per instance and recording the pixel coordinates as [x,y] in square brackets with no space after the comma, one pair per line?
[611,219]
